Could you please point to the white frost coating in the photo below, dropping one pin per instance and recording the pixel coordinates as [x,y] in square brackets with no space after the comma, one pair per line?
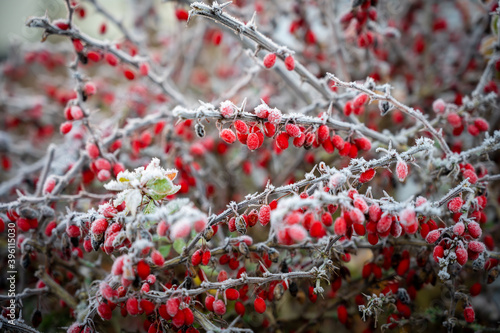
[141,244]
[133,185]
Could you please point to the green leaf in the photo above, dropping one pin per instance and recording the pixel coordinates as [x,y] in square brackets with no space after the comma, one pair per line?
[150,208]
[160,188]
[165,250]
[179,245]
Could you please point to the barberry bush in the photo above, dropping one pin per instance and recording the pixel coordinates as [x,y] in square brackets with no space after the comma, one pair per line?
[284,166]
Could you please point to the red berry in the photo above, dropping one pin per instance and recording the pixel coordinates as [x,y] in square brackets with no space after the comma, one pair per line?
[104,311]
[132,306]
[111,59]
[474,229]
[366,176]
[94,56]
[469,314]
[188,317]
[239,308]
[143,269]
[253,141]
[173,306]
[196,258]
[232,294]
[360,100]
[269,60]
[99,226]
[438,253]
[144,69]
[66,127]
[461,255]
[178,319]
[157,258]
[219,307]
[475,289]
[260,305]
[454,119]
[401,170]
[206,257]
[181,14]
[227,135]
[342,313]
[129,74]
[323,133]
[293,130]
[72,231]
[476,247]
[290,63]
[209,302]
[265,215]
[282,140]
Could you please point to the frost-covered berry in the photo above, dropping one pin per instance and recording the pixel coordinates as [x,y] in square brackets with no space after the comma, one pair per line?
[409,220]
[433,236]
[227,109]
[455,204]
[459,229]
[439,105]
[73,231]
[290,63]
[420,201]
[323,133]
[89,88]
[219,307]
[99,226]
[438,253]
[401,170]
[363,144]
[293,130]
[471,175]
[104,311]
[360,100]
[162,228]
[338,142]
[461,255]
[469,314]
[262,110]
[76,112]
[132,306]
[66,127]
[227,135]
[92,150]
[454,119]
[241,127]
[340,227]
[265,215]
[274,116]
[474,229]
[49,185]
[476,246]
[282,140]
[157,258]
[253,141]
[173,306]
[481,124]
[366,176]
[103,175]
[384,224]
[269,60]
